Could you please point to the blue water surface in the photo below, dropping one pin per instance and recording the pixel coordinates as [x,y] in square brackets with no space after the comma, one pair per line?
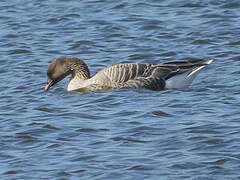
[122,134]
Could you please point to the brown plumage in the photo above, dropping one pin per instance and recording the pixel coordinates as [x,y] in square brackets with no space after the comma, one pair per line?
[171,75]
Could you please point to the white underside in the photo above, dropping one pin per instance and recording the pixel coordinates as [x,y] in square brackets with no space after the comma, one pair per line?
[182,81]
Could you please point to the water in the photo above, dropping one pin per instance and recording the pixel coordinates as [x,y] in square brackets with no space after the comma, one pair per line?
[122,134]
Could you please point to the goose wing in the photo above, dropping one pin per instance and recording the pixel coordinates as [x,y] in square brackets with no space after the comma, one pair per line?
[134,75]
[121,73]
[185,66]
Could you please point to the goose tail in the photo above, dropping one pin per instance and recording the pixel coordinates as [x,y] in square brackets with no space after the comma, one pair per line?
[197,69]
[183,80]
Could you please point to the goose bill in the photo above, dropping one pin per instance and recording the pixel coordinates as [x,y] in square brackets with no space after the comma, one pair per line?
[48,85]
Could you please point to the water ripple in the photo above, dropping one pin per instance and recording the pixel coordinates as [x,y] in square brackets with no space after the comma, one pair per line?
[122,134]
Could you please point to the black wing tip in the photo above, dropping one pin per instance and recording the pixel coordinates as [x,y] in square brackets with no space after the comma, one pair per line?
[191,61]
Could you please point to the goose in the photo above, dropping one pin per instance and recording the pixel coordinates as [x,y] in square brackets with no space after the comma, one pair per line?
[169,75]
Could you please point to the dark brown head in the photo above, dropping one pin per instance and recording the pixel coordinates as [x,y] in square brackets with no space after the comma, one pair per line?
[59,68]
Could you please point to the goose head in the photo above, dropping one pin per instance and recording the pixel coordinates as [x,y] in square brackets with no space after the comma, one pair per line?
[61,67]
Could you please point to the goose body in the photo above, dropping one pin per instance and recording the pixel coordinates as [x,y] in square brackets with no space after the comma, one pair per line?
[171,75]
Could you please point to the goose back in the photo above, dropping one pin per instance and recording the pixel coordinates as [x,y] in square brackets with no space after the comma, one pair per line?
[133,75]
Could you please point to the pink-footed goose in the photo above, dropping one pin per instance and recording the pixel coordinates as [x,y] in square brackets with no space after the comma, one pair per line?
[170,75]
